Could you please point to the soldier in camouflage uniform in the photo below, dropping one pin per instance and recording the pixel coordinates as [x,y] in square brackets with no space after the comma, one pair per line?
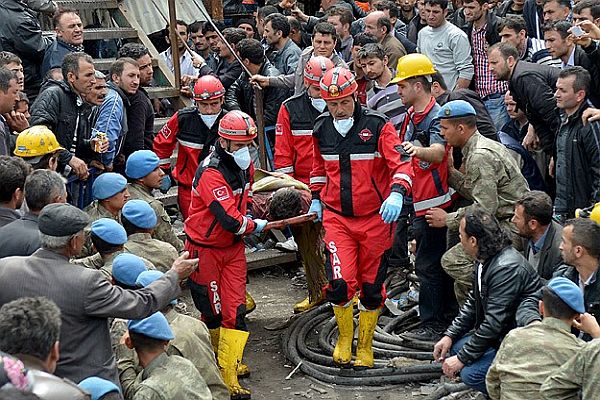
[111,193]
[139,221]
[143,169]
[520,368]
[163,377]
[491,178]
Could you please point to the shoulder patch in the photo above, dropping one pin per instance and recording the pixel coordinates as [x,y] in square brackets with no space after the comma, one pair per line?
[221,193]
[278,129]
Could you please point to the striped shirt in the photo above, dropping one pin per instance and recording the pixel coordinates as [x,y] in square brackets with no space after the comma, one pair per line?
[387,101]
[536,52]
[485,82]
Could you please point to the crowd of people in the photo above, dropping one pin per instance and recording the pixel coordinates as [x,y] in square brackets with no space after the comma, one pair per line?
[470,127]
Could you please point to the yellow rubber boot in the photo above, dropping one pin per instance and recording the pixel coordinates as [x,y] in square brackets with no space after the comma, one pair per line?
[242,370]
[342,354]
[231,350]
[367,321]
[250,304]
[306,304]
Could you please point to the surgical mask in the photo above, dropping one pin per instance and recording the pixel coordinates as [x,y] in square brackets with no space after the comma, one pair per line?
[343,126]
[209,119]
[242,157]
[318,104]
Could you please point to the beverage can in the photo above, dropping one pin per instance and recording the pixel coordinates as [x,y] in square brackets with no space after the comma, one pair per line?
[101,138]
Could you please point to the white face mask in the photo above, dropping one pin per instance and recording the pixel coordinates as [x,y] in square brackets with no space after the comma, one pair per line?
[318,104]
[209,119]
[242,157]
[343,126]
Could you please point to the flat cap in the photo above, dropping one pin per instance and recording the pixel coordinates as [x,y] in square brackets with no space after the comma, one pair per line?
[126,268]
[140,163]
[61,219]
[568,292]
[456,109]
[107,185]
[154,326]
[140,214]
[147,277]
[110,231]
[98,387]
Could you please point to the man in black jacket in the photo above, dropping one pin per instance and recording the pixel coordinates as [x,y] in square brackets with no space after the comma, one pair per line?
[240,96]
[577,154]
[61,108]
[532,87]
[502,279]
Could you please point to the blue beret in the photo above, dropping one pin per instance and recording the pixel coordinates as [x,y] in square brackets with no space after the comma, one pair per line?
[107,185]
[110,231]
[126,268]
[147,277]
[140,163]
[568,292]
[155,327]
[456,109]
[140,214]
[98,387]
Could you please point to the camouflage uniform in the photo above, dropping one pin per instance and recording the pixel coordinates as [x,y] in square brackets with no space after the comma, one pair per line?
[96,211]
[104,265]
[578,376]
[493,180]
[192,341]
[164,230]
[527,356]
[165,378]
[160,253]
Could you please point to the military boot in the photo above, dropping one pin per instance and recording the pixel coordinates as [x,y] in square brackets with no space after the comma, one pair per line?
[367,321]
[231,350]
[342,354]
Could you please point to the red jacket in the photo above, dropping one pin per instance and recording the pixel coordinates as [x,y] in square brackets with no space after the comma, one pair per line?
[353,175]
[293,137]
[221,197]
[195,140]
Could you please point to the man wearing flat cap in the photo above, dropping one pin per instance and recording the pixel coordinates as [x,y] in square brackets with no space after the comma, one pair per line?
[145,175]
[85,298]
[491,179]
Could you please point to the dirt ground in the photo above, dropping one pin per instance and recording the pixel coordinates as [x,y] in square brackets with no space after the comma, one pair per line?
[276,290]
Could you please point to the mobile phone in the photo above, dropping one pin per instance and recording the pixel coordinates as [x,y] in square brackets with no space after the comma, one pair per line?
[577,31]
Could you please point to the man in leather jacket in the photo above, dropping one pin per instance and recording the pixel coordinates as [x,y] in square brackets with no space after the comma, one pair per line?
[502,279]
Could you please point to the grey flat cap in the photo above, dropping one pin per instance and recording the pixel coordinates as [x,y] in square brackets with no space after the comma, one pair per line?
[60,219]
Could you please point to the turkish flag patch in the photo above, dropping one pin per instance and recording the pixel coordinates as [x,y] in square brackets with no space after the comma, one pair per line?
[165,131]
[278,129]
[221,193]
[365,135]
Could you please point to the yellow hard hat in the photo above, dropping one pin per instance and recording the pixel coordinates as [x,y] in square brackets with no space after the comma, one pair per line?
[412,65]
[595,213]
[592,213]
[36,141]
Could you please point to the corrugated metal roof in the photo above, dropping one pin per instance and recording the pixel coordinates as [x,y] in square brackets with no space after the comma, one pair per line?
[153,15]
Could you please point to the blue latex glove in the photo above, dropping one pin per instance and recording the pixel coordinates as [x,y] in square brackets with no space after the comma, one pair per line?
[391,208]
[165,184]
[316,207]
[260,225]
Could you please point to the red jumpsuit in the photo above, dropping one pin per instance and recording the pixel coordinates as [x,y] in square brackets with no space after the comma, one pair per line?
[352,176]
[293,137]
[217,221]
[195,140]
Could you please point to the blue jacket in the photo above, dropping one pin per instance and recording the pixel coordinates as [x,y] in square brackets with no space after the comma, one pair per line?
[53,58]
[112,120]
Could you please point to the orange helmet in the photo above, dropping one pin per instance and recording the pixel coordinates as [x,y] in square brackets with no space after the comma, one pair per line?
[208,87]
[338,83]
[237,126]
[315,69]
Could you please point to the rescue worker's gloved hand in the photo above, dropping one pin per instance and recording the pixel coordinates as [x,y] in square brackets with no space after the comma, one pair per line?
[391,208]
[165,184]
[260,225]
[316,207]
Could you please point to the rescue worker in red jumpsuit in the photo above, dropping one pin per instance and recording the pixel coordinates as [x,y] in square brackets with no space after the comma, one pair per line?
[221,199]
[295,121]
[358,182]
[195,130]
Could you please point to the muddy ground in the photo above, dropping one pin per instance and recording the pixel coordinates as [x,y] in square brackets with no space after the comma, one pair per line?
[276,290]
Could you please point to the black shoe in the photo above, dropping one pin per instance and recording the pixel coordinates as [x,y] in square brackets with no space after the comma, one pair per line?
[425,333]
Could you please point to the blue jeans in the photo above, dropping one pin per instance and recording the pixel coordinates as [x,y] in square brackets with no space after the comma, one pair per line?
[474,375]
[497,110]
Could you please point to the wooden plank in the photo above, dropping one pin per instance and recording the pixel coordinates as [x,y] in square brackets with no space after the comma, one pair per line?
[268,258]
[88,4]
[160,92]
[103,33]
[103,64]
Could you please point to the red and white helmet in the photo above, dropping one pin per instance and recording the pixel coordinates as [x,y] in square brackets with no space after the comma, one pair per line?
[208,87]
[338,83]
[315,69]
[237,126]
